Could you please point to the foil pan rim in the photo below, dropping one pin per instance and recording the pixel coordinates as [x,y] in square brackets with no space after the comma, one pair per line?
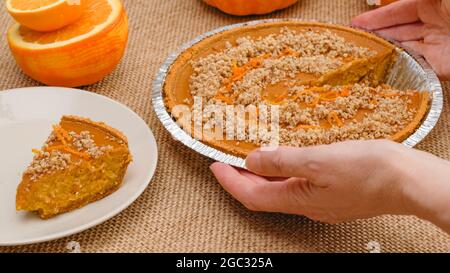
[434,86]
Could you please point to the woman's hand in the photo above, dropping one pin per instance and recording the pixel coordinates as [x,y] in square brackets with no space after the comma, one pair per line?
[422,25]
[343,181]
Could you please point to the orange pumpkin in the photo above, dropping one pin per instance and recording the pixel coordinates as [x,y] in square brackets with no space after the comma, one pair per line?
[247,7]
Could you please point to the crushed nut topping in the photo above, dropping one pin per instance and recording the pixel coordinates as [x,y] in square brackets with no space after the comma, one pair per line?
[84,142]
[387,111]
[114,139]
[273,58]
[47,163]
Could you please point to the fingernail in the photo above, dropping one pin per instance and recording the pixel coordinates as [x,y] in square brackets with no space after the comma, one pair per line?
[213,166]
[253,160]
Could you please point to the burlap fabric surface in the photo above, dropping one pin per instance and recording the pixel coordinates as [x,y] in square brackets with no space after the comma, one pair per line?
[184,209]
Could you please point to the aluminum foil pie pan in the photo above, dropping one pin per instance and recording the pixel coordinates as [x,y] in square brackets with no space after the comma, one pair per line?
[409,72]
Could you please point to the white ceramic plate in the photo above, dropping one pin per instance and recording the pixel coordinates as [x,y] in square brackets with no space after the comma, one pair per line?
[26,116]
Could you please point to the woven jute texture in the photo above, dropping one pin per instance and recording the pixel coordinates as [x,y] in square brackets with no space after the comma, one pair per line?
[184,209]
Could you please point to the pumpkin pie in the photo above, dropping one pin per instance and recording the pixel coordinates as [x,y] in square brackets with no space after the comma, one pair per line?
[326,80]
[82,161]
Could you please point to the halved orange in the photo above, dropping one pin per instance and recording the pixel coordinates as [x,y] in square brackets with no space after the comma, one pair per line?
[79,54]
[45,15]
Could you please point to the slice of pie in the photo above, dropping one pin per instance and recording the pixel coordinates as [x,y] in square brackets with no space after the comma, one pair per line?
[82,161]
[327,80]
